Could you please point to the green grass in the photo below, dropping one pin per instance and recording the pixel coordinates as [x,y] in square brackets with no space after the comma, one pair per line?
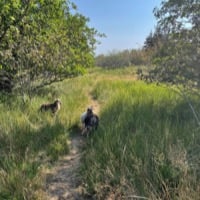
[143,144]
[30,141]
[147,143]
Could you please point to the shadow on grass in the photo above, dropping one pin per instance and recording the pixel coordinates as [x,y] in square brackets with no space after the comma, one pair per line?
[74,130]
[25,150]
[139,133]
[51,140]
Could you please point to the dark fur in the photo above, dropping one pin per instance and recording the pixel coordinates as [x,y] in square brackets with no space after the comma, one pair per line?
[54,107]
[91,121]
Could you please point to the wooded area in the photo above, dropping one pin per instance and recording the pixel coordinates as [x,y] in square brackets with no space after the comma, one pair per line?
[41,42]
[172,50]
[177,43]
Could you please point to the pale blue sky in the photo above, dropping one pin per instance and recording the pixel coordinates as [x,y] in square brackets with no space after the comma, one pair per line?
[126,23]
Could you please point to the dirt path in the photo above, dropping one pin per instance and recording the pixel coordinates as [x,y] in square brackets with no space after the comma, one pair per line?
[63,182]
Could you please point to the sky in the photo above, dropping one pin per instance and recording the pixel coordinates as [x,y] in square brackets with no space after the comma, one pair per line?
[126,23]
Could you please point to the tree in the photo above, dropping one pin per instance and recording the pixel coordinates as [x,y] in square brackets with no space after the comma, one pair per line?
[42,42]
[125,58]
[177,58]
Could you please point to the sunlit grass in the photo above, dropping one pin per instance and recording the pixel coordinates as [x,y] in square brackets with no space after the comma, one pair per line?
[147,143]
[142,146]
[31,140]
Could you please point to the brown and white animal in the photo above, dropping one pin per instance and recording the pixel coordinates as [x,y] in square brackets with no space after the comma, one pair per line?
[53,107]
[89,121]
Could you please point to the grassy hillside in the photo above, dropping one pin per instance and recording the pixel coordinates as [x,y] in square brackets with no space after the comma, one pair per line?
[147,143]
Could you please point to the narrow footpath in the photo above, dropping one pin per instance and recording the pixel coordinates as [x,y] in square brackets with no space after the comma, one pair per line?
[63,182]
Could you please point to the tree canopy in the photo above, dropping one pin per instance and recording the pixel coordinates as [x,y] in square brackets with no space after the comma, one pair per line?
[43,41]
[177,42]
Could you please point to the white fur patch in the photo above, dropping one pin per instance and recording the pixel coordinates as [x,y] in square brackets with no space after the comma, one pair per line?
[83,116]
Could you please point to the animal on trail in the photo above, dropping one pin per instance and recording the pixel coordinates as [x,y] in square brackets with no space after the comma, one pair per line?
[89,121]
[53,107]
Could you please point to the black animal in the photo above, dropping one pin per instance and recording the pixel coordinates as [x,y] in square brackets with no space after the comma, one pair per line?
[89,120]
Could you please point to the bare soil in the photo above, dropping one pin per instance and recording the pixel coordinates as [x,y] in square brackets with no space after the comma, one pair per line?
[63,181]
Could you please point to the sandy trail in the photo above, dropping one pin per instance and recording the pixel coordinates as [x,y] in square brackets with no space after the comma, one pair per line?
[63,182]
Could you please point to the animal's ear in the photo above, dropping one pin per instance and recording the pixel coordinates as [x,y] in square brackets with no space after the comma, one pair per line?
[90,109]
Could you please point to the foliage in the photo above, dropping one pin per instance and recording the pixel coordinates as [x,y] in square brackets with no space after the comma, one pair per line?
[177,56]
[43,42]
[122,59]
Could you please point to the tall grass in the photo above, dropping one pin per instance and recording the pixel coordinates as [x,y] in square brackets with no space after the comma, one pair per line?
[145,144]
[30,141]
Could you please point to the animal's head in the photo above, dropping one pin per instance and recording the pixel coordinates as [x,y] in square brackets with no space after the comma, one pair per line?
[57,101]
[89,111]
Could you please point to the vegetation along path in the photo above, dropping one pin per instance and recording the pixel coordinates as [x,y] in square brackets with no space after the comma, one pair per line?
[63,181]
